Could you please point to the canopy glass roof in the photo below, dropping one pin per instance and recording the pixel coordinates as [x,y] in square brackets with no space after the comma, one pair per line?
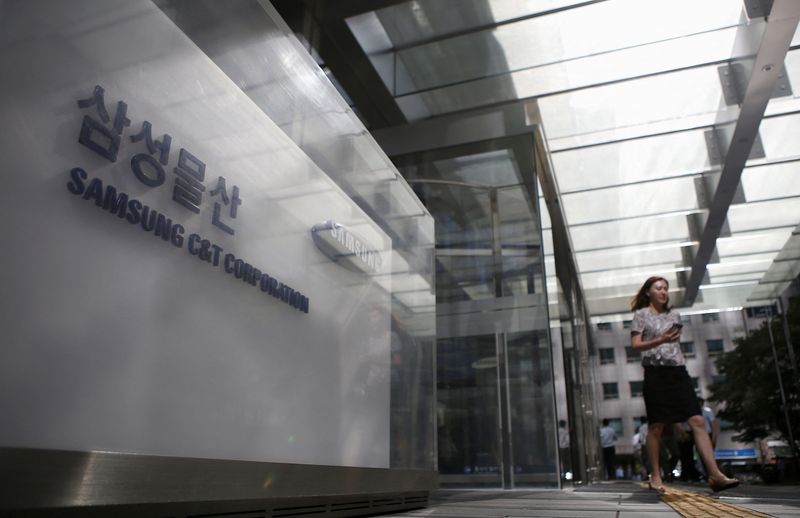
[629,92]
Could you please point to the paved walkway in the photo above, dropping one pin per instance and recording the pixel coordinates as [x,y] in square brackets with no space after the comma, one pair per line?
[618,499]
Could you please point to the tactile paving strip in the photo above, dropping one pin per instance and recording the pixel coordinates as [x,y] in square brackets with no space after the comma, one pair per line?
[695,505]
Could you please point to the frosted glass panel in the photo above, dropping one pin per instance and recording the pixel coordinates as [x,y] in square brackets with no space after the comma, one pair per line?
[579,73]
[625,258]
[626,276]
[747,267]
[666,96]
[752,243]
[560,36]
[765,215]
[409,22]
[631,161]
[740,277]
[779,136]
[629,232]
[631,200]
[772,181]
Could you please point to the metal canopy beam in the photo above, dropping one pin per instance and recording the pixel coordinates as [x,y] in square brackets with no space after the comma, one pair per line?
[323,25]
[766,65]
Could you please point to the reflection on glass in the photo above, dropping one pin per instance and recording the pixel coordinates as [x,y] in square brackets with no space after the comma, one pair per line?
[489,286]
[531,386]
[464,256]
[557,37]
[490,169]
[584,72]
[494,168]
[521,245]
[411,22]
[412,415]
[467,413]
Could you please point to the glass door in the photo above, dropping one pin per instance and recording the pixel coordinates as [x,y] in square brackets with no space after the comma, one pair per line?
[495,399]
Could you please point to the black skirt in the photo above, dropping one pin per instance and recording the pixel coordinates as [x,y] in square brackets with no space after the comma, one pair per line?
[669,396]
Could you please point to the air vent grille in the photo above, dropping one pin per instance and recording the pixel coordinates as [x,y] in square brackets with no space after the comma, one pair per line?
[349,506]
[259,513]
[301,510]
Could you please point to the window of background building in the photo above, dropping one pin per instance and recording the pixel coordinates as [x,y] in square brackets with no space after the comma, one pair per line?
[686,319]
[636,388]
[724,425]
[688,349]
[626,324]
[610,391]
[710,317]
[637,422]
[606,355]
[715,346]
[761,311]
[604,326]
[631,355]
[616,424]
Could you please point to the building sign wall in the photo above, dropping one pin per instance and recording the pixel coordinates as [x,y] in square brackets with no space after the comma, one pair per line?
[162,293]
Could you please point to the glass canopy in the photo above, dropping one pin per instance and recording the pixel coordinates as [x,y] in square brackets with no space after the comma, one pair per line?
[631,95]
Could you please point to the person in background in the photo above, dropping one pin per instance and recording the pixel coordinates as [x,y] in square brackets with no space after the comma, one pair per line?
[669,452]
[563,447]
[712,427]
[638,445]
[643,438]
[668,391]
[607,439]
[683,432]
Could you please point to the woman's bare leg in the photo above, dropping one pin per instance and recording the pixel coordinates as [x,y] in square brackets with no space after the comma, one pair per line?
[703,444]
[653,445]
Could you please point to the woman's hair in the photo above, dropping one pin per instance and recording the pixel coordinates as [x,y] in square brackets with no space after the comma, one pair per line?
[642,297]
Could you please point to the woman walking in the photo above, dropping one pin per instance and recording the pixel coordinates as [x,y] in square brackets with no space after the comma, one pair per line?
[668,393]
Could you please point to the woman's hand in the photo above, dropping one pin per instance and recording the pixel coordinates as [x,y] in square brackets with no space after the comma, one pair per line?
[670,336]
[640,345]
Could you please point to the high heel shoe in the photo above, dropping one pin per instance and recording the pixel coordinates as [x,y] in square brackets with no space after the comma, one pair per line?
[717,486]
[660,489]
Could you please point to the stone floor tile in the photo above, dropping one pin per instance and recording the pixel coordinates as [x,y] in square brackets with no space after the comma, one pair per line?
[621,500]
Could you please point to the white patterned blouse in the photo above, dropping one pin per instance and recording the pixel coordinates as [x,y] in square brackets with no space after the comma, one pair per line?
[651,325]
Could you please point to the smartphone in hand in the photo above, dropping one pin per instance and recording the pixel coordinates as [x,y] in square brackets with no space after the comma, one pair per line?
[675,327]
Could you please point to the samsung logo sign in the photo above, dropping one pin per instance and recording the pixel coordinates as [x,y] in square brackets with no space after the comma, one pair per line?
[346,248]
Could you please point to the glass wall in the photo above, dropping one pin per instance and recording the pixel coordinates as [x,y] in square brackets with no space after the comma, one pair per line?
[530,377]
[303,103]
[579,453]
[469,440]
[495,401]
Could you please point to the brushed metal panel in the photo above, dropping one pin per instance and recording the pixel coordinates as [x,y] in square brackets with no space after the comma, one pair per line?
[45,479]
